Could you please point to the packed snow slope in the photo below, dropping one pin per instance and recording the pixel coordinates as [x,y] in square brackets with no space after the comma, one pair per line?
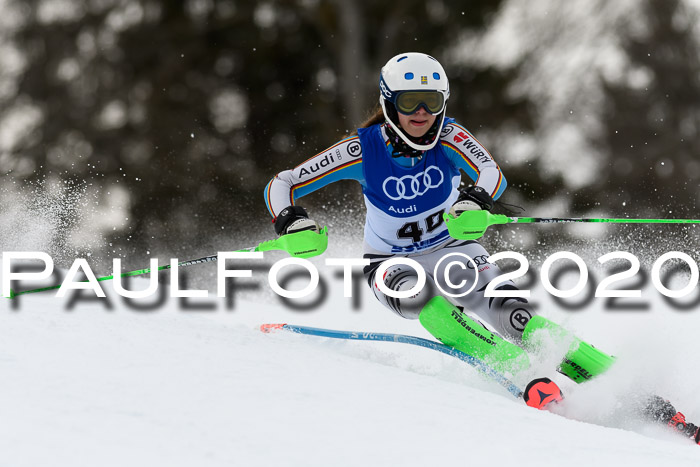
[176,386]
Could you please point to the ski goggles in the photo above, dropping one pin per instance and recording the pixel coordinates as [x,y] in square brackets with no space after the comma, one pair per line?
[408,102]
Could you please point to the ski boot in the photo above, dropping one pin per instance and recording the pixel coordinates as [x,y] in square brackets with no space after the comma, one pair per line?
[541,392]
[662,411]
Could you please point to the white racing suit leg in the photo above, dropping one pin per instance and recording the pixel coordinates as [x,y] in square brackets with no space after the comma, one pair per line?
[507,316]
[399,278]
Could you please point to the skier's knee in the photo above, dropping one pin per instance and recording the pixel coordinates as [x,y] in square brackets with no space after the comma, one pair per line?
[513,313]
[455,329]
[401,278]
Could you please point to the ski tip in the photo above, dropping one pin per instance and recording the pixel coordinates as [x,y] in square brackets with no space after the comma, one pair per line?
[268,328]
[11,295]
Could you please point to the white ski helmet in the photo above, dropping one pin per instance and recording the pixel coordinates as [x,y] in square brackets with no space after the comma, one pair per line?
[409,81]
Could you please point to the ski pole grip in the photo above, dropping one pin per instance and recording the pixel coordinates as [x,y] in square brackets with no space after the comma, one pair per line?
[472,225]
[304,244]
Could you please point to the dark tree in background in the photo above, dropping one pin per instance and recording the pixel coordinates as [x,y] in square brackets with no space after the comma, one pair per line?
[190,107]
[653,125]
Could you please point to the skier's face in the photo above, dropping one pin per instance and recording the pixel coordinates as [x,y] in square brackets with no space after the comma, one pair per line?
[418,123]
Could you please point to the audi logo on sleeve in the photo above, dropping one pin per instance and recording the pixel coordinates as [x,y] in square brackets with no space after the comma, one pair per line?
[409,187]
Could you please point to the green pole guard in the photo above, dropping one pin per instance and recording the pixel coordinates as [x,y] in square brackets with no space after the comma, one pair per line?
[304,244]
[455,329]
[581,362]
[471,225]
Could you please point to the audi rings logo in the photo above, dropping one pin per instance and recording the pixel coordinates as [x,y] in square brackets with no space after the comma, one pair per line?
[410,186]
[479,261]
[384,88]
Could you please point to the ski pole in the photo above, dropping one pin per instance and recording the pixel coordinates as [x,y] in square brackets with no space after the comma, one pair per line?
[471,225]
[305,244]
[419,341]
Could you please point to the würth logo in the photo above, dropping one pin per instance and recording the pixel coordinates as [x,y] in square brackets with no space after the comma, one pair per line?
[459,137]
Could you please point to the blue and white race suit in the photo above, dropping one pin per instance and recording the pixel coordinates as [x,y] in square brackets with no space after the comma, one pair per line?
[405,206]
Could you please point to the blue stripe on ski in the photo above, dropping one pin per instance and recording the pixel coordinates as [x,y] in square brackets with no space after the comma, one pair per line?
[378,336]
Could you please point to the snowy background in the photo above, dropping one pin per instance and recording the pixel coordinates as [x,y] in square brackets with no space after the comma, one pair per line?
[94,386]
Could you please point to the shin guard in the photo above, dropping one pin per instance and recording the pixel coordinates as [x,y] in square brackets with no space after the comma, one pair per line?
[582,361]
[454,328]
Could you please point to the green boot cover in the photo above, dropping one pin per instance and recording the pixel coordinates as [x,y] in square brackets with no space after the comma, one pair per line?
[581,363]
[454,328]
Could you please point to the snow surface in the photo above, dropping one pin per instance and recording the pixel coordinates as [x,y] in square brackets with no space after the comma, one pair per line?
[180,387]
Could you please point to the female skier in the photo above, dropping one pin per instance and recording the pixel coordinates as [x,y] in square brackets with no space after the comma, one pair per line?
[407,158]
